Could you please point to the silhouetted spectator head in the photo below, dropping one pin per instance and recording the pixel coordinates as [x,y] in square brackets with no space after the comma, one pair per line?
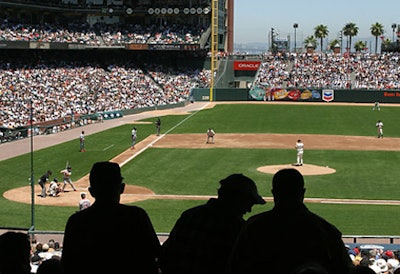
[14,253]
[57,246]
[106,181]
[288,186]
[239,192]
[38,247]
[50,266]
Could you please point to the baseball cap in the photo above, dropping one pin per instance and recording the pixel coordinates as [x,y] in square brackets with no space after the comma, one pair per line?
[242,185]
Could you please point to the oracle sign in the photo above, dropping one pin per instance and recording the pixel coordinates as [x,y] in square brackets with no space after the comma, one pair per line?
[246,65]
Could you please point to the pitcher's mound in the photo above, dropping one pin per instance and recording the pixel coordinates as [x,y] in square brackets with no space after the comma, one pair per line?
[305,169]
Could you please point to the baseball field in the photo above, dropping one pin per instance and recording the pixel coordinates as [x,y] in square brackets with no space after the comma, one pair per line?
[351,176]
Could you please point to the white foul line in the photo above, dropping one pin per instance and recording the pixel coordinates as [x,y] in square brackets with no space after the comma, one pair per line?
[110,146]
[171,129]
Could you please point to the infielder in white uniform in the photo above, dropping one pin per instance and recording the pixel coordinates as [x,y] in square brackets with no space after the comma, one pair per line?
[210,136]
[300,151]
[379,125]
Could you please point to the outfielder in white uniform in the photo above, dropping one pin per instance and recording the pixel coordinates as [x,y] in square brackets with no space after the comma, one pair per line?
[300,151]
[376,106]
[134,137]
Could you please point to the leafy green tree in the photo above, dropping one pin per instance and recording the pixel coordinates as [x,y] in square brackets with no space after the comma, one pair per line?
[334,43]
[376,30]
[321,32]
[310,41]
[359,46]
[388,45]
[350,30]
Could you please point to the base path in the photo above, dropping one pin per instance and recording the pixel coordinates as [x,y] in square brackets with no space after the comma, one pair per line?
[198,141]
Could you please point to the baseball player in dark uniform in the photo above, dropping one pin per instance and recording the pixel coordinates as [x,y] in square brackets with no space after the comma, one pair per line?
[42,182]
[158,126]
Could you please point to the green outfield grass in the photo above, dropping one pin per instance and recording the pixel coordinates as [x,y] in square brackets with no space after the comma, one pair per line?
[360,174]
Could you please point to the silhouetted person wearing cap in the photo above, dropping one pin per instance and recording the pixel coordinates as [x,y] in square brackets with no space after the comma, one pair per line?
[203,236]
[109,235]
[267,239]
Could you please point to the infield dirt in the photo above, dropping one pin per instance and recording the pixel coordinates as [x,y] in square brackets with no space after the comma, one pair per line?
[198,141]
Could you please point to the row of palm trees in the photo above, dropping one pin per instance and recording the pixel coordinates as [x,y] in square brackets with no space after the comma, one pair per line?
[350,30]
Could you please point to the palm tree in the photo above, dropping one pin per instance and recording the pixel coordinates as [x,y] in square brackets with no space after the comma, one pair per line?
[359,46]
[350,30]
[310,41]
[376,30]
[321,32]
[388,45]
[334,43]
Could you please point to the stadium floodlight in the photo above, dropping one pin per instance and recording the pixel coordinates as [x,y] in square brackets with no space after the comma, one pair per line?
[394,26]
[295,26]
[32,169]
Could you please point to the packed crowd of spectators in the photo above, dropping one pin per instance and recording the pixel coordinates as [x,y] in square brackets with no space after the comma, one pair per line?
[60,90]
[102,34]
[378,260]
[320,70]
[74,33]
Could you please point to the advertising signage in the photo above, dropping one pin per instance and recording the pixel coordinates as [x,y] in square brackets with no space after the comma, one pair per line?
[137,47]
[246,65]
[169,47]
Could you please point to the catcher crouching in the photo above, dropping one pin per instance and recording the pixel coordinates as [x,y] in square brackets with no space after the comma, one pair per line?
[54,188]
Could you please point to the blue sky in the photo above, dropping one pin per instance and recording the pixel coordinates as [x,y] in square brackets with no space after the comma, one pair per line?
[255,18]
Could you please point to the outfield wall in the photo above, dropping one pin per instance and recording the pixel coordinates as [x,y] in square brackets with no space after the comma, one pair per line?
[303,95]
